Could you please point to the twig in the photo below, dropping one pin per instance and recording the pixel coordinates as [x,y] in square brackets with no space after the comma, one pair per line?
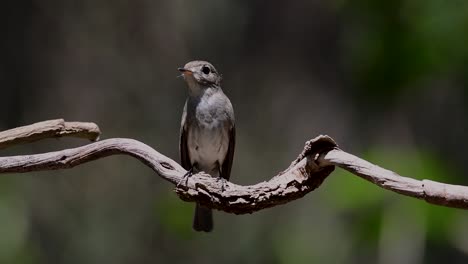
[48,129]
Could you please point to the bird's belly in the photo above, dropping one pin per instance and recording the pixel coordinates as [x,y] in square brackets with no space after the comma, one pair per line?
[207,148]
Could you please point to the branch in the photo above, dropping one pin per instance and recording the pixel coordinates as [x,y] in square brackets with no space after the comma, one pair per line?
[432,192]
[48,129]
[288,185]
[305,174]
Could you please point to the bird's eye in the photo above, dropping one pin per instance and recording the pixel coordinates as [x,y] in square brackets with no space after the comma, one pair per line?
[206,70]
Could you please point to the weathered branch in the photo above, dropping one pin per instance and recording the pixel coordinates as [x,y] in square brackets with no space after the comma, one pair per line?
[432,192]
[288,185]
[48,129]
[305,174]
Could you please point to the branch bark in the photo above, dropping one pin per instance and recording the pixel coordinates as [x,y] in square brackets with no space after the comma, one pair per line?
[431,191]
[306,173]
[48,129]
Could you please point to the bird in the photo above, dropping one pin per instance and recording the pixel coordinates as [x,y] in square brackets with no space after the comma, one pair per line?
[207,131]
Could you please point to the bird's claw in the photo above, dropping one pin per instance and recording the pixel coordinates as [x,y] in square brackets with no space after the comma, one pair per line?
[185,178]
[223,183]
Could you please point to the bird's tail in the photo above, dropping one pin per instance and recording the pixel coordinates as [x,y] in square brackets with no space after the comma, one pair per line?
[203,219]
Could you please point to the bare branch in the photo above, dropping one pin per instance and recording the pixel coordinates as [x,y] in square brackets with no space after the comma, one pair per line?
[305,174]
[430,191]
[288,185]
[48,129]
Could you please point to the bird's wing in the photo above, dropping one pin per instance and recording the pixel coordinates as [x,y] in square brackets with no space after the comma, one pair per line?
[183,144]
[227,164]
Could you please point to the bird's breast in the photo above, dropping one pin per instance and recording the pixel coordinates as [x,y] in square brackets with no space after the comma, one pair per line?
[207,145]
[209,122]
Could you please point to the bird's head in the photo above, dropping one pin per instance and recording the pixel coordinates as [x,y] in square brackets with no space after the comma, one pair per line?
[200,74]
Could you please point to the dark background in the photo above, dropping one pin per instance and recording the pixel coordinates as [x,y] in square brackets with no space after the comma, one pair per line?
[386,79]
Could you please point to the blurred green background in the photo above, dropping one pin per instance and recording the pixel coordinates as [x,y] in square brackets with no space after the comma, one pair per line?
[386,79]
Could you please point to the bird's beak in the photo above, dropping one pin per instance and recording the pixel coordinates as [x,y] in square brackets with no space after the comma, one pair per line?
[185,71]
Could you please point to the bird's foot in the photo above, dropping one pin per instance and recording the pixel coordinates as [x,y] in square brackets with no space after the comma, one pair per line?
[223,183]
[185,178]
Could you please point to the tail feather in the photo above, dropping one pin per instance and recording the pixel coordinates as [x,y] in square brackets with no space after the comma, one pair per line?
[203,219]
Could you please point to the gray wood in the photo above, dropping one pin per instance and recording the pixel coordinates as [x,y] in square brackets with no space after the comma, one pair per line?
[306,173]
[430,191]
[48,129]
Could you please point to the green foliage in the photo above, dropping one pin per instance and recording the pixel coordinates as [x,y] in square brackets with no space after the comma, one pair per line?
[13,218]
[368,203]
[174,215]
[392,46]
